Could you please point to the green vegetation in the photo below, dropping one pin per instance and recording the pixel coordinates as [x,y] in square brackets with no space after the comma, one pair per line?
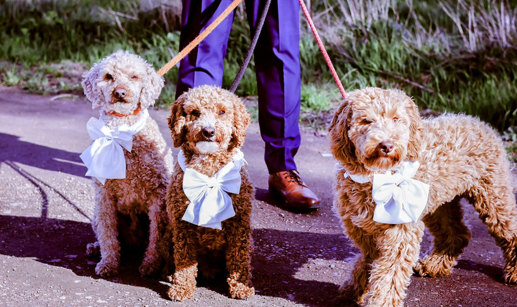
[45,78]
[450,56]
[510,140]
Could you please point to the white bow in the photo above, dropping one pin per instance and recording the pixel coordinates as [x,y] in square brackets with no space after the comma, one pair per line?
[105,158]
[210,203]
[398,198]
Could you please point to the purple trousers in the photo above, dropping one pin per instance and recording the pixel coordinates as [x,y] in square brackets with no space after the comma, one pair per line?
[277,68]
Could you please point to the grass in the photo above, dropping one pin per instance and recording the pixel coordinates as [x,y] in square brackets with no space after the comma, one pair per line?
[44,79]
[445,55]
[510,140]
[450,56]
[11,78]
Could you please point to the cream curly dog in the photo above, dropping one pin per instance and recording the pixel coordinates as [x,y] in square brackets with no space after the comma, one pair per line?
[123,86]
[209,125]
[376,130]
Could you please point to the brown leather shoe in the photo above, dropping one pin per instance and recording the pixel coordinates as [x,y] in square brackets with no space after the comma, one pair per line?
[290,188]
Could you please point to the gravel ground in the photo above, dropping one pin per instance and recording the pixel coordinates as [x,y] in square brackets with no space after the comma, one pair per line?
[46,205]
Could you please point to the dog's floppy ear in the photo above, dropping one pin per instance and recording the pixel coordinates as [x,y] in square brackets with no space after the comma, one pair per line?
[241,121]
[89,83]
[415,131]
[341,146]
[177,121]
[152,88]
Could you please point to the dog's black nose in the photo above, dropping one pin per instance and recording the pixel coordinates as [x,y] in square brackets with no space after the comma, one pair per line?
[119,92]
[386,147]
[208,132]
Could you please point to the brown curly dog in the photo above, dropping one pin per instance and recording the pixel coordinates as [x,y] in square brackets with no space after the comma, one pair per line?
[123,86]
[209,125]
[374,131]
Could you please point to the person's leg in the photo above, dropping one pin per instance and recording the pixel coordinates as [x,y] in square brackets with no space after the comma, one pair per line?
[204,64]
[277,68]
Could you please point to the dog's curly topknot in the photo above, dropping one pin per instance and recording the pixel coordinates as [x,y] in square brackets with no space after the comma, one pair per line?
[204,99]
[370,104]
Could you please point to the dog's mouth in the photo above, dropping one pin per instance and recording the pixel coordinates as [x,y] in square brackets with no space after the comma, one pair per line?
[123,106]
[115,100]
[207,143]
[207,139]
[207,147]
[380,159]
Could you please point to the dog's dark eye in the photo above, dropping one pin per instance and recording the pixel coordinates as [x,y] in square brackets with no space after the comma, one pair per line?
[222,112]
[366,122]
[108,77]
[195,113]
[135,77]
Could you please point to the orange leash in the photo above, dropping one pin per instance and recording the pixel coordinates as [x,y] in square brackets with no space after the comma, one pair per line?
[199,38]
[323,50]
[224,14]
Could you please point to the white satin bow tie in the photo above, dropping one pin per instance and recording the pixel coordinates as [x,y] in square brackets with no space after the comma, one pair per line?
[399,198]
[210,203]
[105,158]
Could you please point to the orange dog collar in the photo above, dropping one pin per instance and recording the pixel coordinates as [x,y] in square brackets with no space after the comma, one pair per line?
[135,112]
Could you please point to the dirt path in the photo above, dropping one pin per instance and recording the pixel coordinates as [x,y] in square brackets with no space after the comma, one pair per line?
[299,259]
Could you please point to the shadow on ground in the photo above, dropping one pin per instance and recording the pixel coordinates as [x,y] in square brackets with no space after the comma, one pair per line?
[496,273]
[63,243]
[278,255]
[13,149]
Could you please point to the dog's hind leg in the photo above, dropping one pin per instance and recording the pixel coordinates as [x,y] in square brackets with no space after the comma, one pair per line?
[398,247]
[451,236]
[494,200]
[151,262]
[105,228]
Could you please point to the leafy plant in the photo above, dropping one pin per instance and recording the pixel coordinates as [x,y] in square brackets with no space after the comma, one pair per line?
[450,56]
[10,77]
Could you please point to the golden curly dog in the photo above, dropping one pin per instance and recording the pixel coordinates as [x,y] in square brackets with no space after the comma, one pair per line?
[375,130]
[123,85]
[209,125]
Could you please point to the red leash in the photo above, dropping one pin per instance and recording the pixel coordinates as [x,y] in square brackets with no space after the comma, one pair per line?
[232,6]
[322,48]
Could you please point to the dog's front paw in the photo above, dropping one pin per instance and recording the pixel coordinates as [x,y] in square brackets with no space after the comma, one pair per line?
[434,266]
[180,293]
[349,294]
[240,290]
[93,250]
[510,275]
[106,268]
[149,266]
[346,292]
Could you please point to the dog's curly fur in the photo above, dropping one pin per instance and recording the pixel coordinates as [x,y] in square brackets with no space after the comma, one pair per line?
[459,157]
[200,108]
[148,165]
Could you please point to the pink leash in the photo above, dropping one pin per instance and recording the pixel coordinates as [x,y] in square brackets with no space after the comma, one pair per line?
[322,48]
